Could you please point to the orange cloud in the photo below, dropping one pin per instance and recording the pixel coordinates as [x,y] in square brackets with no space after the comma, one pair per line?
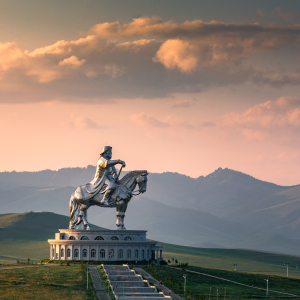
[126,61]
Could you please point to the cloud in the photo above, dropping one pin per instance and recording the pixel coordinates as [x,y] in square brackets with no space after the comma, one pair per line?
[278,13]
[81,122]
[72,60]
[146,58]
[144,120]
[270,119]
[181,103]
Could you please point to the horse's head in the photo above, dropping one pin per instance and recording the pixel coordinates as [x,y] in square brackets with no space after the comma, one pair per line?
[142,181]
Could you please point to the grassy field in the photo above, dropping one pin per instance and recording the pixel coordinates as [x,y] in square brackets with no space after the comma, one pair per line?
[246,260]
[204,287]
[59,282]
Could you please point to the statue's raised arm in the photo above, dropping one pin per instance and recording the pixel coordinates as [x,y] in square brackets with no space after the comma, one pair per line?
[105,191]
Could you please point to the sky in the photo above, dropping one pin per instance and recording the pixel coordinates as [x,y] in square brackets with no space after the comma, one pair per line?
[173,86]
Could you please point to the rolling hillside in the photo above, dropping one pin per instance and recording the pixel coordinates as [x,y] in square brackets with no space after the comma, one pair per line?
[25,236]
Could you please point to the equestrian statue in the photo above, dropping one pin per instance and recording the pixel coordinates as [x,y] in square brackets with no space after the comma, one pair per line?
[106,190]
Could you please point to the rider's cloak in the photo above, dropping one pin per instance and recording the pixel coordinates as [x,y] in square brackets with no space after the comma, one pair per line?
[103,173]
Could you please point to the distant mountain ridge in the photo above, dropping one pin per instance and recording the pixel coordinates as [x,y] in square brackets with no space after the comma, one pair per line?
[225,198]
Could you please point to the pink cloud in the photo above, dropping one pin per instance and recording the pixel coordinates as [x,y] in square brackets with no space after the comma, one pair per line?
[144,120]
[81,122]
[181,103]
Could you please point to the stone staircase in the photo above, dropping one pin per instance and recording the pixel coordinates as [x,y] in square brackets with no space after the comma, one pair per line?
[127,285]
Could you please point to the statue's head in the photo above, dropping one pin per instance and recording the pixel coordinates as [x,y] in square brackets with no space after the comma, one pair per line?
[107,152]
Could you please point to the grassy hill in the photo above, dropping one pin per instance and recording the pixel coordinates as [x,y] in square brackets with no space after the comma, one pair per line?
[25,235]
[246,260]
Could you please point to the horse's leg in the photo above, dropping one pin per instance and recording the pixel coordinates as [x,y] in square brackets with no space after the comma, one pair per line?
[85,221]
[121,208]
[123,216]
[73,212]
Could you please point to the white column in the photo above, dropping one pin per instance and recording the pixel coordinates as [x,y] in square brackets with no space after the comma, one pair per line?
[50,252]
[88,254]
[59,251]
[97,253]
[72,249]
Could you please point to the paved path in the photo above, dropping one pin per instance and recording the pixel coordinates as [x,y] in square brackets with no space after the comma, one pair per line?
[100,289]
[155,282]
[27,266]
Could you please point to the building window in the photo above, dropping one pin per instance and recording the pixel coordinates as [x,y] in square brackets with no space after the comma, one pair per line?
[93,253]
[128,253]
[56,256]
[111,253]
[102,253]
[120,253]
[62,252]
[84,253]
[136,254]
[114,238]
[76,253]
[68,253]
[99,238]
[128,238]
[84,238]
[72,238]
[143,254]
[147,253]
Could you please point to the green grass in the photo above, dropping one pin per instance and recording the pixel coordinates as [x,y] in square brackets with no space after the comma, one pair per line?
[105,282]
[203,287]
[246,260]
[59,282]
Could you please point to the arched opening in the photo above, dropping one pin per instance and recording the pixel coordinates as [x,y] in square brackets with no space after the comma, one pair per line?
[111,253]
[143,254]
[93,253]
[128,253]
[114,238]
[68,253]
[84,253]
[128,238]
[136,254]
[84,238]
[76,253]
[120,253]
[62,253]
[72,237]
[99,238]
[102,253]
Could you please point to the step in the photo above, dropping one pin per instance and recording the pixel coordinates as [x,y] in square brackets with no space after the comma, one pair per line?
[116,268]
[130,283]
[120,272]
[148,296]
[142,290]
[124,278]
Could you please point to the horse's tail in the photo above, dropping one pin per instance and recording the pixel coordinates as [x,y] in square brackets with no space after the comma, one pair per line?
[73,205]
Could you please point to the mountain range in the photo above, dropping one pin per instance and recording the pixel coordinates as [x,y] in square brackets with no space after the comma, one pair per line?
[223,209]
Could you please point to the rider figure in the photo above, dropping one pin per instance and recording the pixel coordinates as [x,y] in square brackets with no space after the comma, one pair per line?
[105,163]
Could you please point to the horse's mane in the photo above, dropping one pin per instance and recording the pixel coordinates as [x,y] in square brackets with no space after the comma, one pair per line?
[131,174]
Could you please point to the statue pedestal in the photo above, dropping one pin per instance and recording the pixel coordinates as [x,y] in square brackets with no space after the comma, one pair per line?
[103,245]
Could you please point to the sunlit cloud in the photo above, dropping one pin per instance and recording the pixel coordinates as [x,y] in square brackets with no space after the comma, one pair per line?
[146,58]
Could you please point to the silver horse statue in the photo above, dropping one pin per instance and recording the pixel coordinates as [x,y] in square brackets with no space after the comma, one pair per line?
[106,190]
